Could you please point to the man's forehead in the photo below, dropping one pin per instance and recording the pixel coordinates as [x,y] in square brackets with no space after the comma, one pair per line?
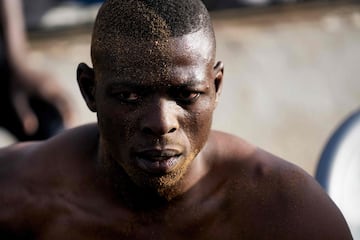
[176,61]
[197,44]
[129,52]
[186,75]
[156,84]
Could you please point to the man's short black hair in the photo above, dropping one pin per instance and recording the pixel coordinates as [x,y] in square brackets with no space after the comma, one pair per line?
[148,20]
[145,18]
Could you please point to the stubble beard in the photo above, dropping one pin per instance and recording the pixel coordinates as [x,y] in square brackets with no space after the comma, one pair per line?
[166,186]
[127,180]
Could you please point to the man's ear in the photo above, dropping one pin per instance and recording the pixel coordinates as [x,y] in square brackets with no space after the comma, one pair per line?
[219,73]
[86,81]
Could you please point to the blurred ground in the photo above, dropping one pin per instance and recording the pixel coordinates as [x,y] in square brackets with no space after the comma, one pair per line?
[291,74]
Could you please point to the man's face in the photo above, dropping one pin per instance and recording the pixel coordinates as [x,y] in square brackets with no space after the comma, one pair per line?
[154,102]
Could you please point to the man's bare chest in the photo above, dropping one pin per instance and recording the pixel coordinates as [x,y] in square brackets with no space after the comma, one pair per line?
[120,224]
[87,216]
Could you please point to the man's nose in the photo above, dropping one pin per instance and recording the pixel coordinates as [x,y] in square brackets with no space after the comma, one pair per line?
[160,118]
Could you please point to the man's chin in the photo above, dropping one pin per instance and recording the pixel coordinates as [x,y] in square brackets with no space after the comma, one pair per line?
[166,186]
[159,183]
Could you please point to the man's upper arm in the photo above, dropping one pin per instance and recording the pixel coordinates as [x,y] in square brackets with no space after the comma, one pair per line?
[314,214]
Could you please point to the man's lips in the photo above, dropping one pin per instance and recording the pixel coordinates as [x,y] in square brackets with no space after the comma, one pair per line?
[158,155]
[158,161]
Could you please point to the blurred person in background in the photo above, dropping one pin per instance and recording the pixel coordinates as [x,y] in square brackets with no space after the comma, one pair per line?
[33,106]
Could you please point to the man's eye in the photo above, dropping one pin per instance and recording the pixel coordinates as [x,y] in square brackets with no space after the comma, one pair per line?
[187,96]
[127,96]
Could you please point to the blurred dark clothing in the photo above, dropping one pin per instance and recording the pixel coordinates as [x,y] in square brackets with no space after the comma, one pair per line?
[50,121]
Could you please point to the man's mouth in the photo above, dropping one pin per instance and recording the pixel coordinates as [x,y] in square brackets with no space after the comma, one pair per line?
[158,161]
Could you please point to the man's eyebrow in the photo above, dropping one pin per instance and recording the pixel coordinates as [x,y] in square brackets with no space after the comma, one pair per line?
[131,85]
[141,86]
[189,84]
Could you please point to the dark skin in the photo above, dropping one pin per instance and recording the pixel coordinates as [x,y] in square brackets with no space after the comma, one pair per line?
[153,169]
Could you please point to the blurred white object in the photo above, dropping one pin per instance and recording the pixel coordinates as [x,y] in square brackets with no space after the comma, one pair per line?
[6,138]
[339,170]
[68,14]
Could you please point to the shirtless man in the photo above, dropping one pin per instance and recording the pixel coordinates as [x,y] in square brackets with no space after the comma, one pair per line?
[152,168]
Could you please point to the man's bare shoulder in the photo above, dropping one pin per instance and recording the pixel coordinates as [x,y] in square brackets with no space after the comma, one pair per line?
[242,159]
[67,137]
[41,159]
[42,182]
[275,195]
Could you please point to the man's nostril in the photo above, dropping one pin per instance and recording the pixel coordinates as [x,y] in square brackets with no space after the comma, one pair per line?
[147,131]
